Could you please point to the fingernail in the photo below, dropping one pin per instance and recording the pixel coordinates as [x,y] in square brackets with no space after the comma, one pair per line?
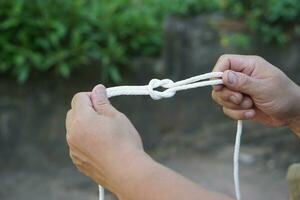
[99,92]
[249,114]
[234,99]
[232,77]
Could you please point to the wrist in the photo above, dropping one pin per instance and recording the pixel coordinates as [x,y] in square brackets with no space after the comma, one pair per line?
[135,169]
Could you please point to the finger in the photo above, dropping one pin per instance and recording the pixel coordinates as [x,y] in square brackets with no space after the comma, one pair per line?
[232,99]
[228,95]
[225,103]
[224,63]
[247,102]
[75,159]
[81,99]
[100,101]
[241,82]
[68,119]
[238,63]
[221,65]
[217,87]
[239,114]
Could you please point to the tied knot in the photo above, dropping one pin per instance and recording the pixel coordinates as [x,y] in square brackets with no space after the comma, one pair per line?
[165,83]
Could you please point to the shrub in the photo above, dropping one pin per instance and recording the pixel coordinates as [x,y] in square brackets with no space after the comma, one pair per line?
[273,20]
[44,35]
[60,35]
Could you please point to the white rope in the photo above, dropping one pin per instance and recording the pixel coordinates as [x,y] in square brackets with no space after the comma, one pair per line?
[170,90]
[101,193]
[236,159]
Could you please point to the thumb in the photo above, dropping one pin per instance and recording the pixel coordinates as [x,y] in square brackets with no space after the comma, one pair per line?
[100,101]
[240,82]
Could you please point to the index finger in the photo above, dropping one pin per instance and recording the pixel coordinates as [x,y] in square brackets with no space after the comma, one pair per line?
[238,63]
[82,101]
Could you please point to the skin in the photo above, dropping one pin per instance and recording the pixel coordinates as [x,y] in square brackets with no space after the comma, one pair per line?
[255,89]
[105,146]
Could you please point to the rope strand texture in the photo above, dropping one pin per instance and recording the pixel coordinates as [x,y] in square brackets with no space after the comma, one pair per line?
[171,88]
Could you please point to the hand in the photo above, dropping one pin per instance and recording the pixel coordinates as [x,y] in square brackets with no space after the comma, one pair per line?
[106,147]
[103,143]
[255,89]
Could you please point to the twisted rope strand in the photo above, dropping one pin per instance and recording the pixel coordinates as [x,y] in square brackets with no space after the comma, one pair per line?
[170,90]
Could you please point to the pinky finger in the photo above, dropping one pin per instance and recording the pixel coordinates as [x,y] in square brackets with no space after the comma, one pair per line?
[239,114]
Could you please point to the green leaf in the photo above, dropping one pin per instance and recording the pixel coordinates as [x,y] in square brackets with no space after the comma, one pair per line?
[19,60]
[115,74]
[22,73]
[64,70]
[4,67]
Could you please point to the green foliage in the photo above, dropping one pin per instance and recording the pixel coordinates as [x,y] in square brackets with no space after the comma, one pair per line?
[274,20]
[240,40]
[61,35]
[43,35]
[58,36]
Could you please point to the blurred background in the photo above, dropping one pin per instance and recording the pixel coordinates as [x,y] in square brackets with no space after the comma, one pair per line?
[51,49]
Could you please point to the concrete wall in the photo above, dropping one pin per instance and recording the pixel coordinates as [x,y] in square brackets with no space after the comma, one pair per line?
[192,46]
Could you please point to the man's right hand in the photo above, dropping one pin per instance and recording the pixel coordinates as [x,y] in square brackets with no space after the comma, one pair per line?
[255,89]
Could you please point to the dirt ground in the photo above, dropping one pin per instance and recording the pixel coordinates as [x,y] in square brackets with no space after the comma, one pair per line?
[213,171]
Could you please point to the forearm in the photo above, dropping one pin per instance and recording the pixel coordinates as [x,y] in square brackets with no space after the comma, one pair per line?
[148,180]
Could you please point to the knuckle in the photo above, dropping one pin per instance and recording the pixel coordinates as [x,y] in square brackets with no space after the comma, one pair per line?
[71,154]
[68,120]
[68,115]
[213,95]
[73,133]
[223,57]
[70,138]
[76,97]
[120,115]
[80,124]
[225,95]
[78,120]
[258,58]
[217,100]
[79,168]
[114,113]
[225,111]
[230,114]
[121,118]
[243,80]
[78,160]
[79,163]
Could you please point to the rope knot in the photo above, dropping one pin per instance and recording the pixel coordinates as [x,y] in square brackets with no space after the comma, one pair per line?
[165,83]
